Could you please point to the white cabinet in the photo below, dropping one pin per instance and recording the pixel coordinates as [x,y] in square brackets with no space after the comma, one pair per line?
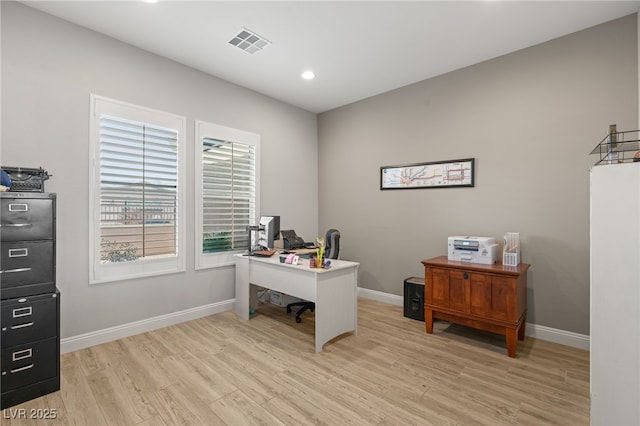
[615,294]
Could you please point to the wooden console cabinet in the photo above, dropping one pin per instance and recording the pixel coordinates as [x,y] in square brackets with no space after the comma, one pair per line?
[486,297]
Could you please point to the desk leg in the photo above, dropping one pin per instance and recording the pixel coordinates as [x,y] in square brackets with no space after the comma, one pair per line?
[428,320]
[243,298]
[336,305]
[253,299]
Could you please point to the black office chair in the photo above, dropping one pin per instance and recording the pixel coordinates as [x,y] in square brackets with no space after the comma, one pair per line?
[332,251]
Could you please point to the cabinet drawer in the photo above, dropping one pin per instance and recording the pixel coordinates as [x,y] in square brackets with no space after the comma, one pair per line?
[29,363]
[26,262]
[27,218]
[28,319]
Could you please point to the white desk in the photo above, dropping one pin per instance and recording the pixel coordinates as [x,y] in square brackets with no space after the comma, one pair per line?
[334,291]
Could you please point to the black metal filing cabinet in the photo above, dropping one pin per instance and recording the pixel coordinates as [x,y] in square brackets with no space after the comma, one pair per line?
[30,305]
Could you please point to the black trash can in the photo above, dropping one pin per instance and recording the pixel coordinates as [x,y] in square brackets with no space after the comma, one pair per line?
[414,298]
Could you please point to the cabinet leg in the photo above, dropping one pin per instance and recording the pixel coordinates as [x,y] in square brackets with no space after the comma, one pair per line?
[521,330]
[428,320]
[512,341]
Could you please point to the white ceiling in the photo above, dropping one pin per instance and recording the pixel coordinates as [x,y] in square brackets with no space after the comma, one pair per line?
[357,49]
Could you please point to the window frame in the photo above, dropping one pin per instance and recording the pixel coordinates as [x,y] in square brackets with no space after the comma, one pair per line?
[145,267]
[208,130]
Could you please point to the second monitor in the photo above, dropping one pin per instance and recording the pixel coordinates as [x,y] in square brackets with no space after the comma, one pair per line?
[269,231]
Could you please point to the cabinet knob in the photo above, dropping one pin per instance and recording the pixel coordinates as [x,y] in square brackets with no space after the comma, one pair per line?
[466,276]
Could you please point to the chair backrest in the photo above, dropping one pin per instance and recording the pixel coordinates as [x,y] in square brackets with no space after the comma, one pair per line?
[332,239]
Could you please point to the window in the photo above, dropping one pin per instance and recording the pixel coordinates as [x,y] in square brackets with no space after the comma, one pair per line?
[136,194]
[227,192]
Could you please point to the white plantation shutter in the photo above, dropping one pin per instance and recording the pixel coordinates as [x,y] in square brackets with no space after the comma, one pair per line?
[138,189]
[228,182]
[227,190]
[136,196]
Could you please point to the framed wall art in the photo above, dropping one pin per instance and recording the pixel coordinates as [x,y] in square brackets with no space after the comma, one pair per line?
[434,174]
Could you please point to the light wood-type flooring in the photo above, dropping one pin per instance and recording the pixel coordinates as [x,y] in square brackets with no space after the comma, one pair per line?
[221,370]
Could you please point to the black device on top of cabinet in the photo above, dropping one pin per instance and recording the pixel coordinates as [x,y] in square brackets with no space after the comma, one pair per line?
[30,305]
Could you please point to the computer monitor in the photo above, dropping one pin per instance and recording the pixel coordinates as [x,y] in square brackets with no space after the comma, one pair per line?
[269,231]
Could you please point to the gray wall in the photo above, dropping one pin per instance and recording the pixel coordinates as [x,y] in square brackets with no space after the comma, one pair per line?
[49,68]
[530,119]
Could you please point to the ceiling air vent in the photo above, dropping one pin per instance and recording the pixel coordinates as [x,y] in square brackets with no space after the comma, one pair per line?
[249,41]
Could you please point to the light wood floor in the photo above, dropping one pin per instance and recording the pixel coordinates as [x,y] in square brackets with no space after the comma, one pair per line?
[220,370]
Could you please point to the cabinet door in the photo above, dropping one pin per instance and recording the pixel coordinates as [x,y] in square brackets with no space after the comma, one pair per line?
[480,296]
[457,290]
[503,299]
[437,287]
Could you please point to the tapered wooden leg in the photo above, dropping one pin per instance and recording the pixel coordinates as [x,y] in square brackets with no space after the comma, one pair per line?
[521,330]
[512,341]
[428,320]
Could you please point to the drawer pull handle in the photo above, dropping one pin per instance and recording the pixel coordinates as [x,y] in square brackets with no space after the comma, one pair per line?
[17,356]
[21,252]
[9,271]
[17,370]
[15,225]
[22,312]
[18,207]
[17,327]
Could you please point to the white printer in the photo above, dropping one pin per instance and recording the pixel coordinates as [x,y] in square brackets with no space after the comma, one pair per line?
[473,249]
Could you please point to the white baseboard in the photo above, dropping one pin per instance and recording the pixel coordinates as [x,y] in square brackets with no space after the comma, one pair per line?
[568,338]
[86,340]
[74,343]
[379,296]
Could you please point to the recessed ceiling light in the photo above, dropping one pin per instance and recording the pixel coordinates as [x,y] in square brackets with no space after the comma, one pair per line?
[308,75]
[150,1]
